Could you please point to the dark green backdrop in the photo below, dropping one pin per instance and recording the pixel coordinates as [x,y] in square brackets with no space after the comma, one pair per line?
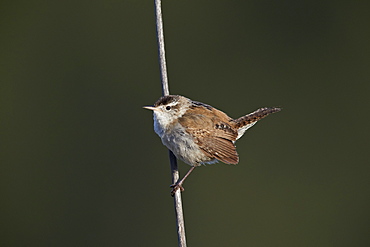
[81,165]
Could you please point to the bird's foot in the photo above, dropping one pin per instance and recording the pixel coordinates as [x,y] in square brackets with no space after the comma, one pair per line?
[175,187]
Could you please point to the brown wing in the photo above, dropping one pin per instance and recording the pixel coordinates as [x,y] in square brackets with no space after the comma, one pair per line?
[219,148]
[214,136]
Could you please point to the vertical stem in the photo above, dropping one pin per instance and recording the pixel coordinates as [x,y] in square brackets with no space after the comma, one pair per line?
[165,91]
[177,203]
[161,50]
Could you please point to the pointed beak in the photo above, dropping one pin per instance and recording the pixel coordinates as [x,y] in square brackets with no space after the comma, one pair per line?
[150,108]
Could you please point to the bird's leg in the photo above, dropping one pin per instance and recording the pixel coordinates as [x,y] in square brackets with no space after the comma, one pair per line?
[178,185]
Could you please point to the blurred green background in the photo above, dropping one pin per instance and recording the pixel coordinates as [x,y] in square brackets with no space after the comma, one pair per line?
[82,166]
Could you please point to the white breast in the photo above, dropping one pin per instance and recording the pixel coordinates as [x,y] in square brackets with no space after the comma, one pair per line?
[183,146]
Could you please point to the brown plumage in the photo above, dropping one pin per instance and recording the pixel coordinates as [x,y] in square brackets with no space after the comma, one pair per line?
[214,136]
[198,133]
[215,132]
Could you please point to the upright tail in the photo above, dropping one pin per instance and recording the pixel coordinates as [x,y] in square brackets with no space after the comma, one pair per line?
[247,121]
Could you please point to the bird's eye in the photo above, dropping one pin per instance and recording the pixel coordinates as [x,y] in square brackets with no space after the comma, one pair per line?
[168,108]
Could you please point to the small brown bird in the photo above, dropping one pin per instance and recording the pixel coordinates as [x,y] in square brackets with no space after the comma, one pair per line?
[198,133]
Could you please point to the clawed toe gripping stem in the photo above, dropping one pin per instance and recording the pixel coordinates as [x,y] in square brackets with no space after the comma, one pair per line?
[178,184]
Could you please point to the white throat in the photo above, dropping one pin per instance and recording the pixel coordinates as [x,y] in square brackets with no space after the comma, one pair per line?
[163,119]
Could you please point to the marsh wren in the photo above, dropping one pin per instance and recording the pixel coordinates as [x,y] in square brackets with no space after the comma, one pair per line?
[198,133]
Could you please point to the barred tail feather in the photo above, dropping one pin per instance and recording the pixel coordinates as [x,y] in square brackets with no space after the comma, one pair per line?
[247,121]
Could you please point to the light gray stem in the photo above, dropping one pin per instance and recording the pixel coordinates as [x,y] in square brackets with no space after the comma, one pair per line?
[165,91]
[161,49]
